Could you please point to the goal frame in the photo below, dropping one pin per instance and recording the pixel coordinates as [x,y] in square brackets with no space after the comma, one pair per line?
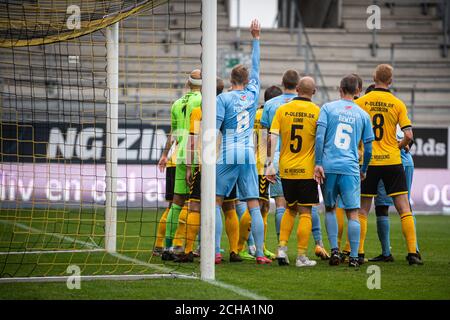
[208,186]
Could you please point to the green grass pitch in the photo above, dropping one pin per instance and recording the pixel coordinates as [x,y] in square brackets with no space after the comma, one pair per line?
[136,236]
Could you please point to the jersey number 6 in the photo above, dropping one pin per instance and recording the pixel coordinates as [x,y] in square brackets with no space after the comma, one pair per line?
[342,138]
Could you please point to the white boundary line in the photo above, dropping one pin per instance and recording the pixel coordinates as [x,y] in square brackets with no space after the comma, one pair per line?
[169,272]
[125,277]
[237,290]
[92,244]
[50,251]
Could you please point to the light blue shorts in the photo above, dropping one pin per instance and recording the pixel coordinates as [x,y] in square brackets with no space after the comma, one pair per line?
[244,175]
[346,187]
[409,172]
[382,199]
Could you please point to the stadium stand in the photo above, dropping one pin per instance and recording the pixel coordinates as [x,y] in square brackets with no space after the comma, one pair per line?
[410,39]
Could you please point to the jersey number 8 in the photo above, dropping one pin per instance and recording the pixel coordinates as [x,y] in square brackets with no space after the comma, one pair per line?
[378,122]
[342,138]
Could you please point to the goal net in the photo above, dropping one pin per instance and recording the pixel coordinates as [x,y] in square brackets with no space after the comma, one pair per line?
[86,92]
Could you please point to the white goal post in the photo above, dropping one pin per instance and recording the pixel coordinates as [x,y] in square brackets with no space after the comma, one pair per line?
[112,128]
[208,178]
[113,247]
[208,184]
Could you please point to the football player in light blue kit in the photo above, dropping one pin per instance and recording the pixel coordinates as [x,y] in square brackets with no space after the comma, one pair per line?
[383,202]
[236,112]
[342,125]
[290,80]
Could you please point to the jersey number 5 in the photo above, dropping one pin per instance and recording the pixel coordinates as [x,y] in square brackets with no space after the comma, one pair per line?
[342,138]
[296,147]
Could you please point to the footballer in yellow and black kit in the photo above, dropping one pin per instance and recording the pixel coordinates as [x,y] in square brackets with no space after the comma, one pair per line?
[296,123]
[385,111]
[194,187]
[231,219]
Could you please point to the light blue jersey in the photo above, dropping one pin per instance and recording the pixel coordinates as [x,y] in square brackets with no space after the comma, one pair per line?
[346,125]
[271,107]
[236,112]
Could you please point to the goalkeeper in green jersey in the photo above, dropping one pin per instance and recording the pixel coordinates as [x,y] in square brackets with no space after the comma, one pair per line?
[180,123]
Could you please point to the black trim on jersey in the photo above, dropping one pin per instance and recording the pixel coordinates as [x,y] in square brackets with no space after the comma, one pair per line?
[381,89]
[302,99]
[406,127]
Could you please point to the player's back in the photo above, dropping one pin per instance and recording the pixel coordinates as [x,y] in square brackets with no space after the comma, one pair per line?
[177,118]
[295,123]
[236,110]
[346,124]
[385,111]
[180,117]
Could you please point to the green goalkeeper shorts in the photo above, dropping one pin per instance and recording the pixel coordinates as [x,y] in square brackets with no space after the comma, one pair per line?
[181,186]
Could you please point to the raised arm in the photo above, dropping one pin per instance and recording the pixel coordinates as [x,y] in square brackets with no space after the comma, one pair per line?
[255,29]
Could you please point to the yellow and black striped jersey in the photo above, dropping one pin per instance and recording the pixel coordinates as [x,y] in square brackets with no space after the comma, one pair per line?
[194,129]
[195,121]
[385,111]
[296,124]
[260,142]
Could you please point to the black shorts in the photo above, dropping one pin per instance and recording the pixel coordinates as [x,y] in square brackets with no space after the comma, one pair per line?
[300,191]
[170,183]
[393,177]
[195,188]
[263,187]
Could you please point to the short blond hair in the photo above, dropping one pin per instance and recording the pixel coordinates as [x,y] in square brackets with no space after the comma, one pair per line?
[383,74]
